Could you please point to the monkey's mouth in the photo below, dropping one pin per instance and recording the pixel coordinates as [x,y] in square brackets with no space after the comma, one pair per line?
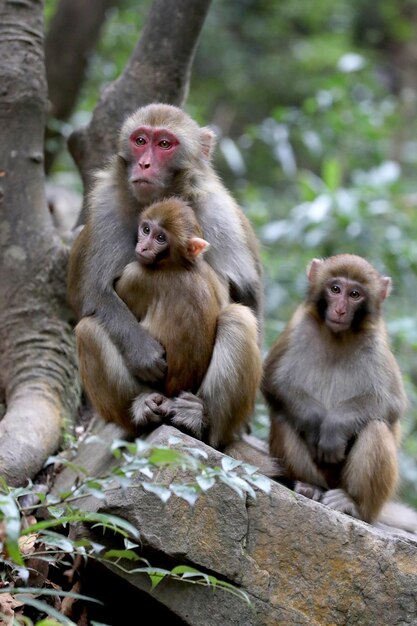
[337,326]
[142,181]
[145,257]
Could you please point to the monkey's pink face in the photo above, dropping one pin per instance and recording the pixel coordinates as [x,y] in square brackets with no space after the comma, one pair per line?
[153,161]
[153,243]
[344,297]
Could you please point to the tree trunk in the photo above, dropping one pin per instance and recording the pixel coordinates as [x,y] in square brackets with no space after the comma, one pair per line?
[72,35]
[158,71]
[37,356]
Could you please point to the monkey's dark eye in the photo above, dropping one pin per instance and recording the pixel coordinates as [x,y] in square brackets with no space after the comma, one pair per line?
[161,238]
[140,141]
[146,230]
[165,144]
[354,294]
[335,289]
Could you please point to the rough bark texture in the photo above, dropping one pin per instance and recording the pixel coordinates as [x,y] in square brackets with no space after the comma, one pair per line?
[300,562]
[73,34]
[158,71]
[37,357]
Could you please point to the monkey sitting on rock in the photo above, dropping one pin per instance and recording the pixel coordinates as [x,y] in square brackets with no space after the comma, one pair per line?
[163,153]
[336,396]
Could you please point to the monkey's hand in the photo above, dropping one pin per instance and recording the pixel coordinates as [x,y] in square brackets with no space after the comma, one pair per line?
[332,444]
[147,363]
[187,413]
[148,408]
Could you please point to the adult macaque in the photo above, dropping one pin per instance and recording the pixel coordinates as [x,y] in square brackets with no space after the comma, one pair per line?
[162,152]
[179,299]
[335,391]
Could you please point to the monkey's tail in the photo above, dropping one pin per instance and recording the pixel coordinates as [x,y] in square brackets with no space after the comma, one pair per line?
[398,515]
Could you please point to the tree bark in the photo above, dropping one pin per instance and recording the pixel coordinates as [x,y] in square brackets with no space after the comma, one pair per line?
[158,71]
[37,356]
[72,35]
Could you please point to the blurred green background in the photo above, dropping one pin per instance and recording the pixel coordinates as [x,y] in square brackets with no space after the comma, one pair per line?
[315,107]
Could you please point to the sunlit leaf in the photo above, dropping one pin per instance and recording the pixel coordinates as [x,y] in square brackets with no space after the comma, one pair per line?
[162,492]
[205,482]
[230,464]
[186,492]
[261,482]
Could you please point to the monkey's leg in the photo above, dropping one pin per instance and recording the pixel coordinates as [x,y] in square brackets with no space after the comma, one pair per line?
[285,444]
[226,397]
[370,475]
[232,380]
[108,382]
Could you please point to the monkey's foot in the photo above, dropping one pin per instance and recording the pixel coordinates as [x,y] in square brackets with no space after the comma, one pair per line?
[187,412]
[148,408]
[309,491]
[339,500]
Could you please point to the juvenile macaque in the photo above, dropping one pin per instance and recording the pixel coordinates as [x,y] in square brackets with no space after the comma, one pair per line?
[162,152]
[177,296]
[335,391]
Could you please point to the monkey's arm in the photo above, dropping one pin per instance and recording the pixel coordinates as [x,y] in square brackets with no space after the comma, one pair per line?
[288,401]
[96,262]
[233,252]
[350,416]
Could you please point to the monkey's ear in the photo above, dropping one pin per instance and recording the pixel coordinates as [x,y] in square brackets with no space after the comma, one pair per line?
[386,285]
[312,268]
[208,141]
[196,246]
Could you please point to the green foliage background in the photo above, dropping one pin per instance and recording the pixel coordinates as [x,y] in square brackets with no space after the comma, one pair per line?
[315,107]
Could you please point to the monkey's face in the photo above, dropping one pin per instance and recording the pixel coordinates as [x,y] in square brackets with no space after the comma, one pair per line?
[344,299]
[153,243]
[153,162]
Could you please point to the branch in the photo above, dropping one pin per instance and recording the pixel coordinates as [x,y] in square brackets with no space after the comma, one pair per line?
[37,355]
[72,35]
[158,71]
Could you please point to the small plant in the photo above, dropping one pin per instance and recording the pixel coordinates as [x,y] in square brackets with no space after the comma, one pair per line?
[41,552]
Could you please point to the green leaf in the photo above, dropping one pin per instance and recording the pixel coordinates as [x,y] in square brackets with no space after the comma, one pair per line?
[112,522]
[121,554]
[230,464]
[156,575]
[162,456]
[146,471]
[58,541]
[186,492]
[162,492]
[231,483]
[262,482]
[205,482]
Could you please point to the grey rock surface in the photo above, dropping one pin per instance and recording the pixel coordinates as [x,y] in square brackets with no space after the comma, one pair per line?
[299,562]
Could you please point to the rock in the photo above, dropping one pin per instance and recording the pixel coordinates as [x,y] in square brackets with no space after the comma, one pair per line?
[299,562]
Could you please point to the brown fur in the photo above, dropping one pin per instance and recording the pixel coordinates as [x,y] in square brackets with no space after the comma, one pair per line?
[338,395]
[183,304]
[178,304]
[106,246]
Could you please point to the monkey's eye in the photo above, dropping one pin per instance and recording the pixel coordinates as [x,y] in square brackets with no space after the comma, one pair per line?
[335,289]
[165,144]
[140,141]
[354,294]
[146,230]
[161,238]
